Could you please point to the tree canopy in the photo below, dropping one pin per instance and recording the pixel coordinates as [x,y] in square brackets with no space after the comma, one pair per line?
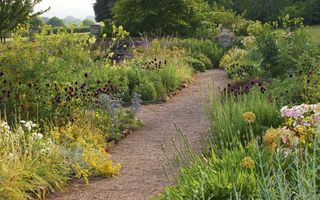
[55,22]
[161,16]
[103,9]
[36,21]
[270,10]
[13,13]
[87,22]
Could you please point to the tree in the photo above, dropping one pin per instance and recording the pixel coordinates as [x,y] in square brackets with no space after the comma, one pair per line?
[13,13]
[55,22]
[36,21]
[103,9]
[160,16]
[87,22]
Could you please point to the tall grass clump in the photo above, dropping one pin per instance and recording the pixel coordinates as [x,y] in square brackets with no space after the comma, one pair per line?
[214,177]
[226,116]
[31,164]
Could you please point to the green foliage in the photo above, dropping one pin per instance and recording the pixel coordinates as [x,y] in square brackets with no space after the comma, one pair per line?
[36,22]
[199,49]
[40,88]
[87,22]
[314,33]
[228,126]
[219,176]
[160,17]
[198,65]
[31,164]
[249,173]
[241,64]
[55,22]
[13,13]
[204,59]
[267,11]
[103,9]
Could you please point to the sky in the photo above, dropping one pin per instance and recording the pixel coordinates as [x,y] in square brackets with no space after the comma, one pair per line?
[62,8]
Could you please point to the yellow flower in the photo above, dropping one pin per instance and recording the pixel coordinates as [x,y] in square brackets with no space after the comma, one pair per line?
[249,117]
[271,137]
[248,163]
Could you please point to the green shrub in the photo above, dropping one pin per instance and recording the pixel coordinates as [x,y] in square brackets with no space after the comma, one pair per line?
[146,89]
[204,59]
[198,65]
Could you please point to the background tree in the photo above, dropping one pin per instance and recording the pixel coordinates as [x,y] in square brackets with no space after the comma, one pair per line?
[36,21]
[13,13]
[103,9]
[270,10]
[45,19]
[160,16]
[87,22]
[55,22]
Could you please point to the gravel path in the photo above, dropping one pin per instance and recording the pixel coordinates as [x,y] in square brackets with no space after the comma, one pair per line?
[142,175]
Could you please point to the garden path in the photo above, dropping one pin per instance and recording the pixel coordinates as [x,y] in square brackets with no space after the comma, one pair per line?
[142,175]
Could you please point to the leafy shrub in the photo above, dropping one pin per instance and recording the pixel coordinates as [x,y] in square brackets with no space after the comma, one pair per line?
[198,65]
[204,59]
[146,89]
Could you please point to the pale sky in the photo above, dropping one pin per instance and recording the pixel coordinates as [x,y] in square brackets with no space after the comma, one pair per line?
[62,8]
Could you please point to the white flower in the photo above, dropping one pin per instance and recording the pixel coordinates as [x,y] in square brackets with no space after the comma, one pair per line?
[37,135]
[29,125]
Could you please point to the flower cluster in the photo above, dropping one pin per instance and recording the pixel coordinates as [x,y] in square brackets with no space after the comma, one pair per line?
[302,120]
[249,117]
[247,163]
[301,124]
